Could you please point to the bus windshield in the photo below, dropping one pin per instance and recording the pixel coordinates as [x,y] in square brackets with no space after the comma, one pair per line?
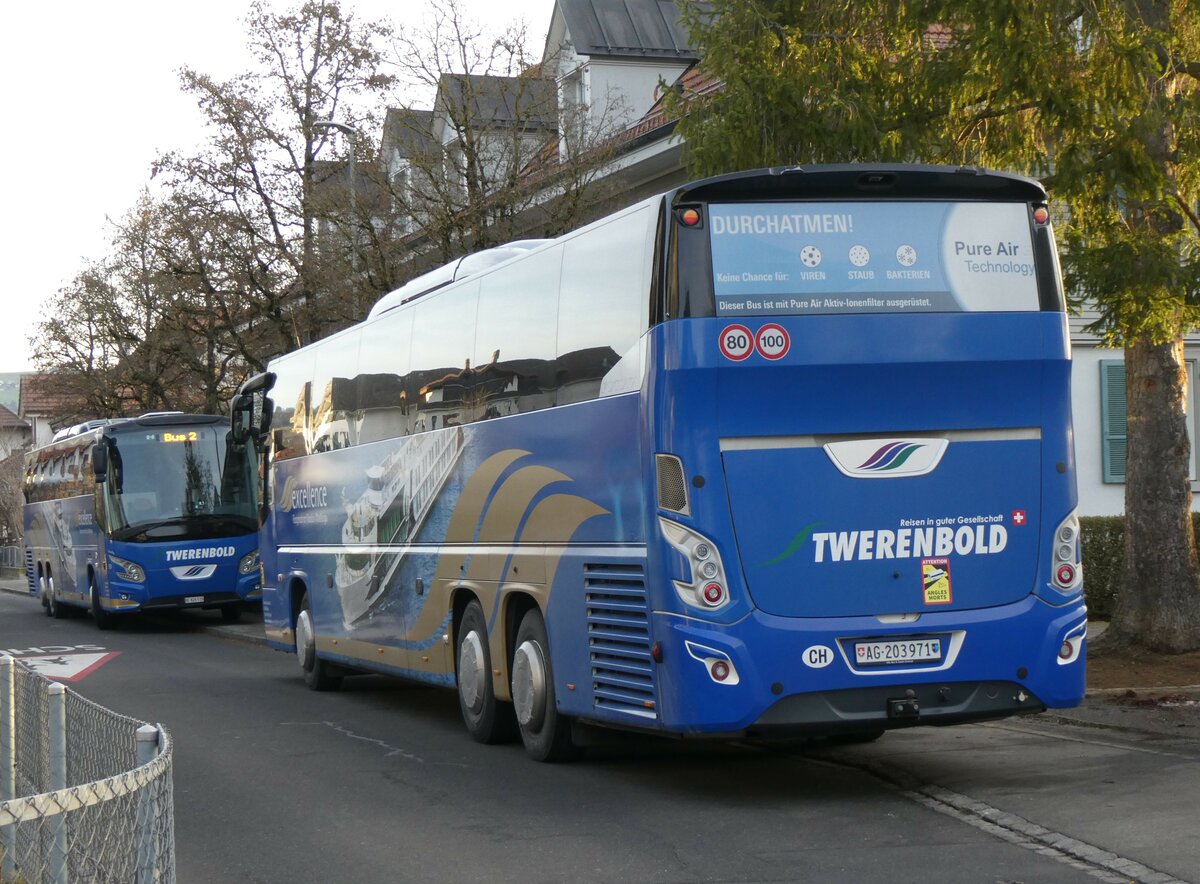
[172,483]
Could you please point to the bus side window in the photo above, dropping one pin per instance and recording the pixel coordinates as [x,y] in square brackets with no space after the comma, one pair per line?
[442,374]
[516,335]
[293,406]
[334,391]
[382,376]
[605,301]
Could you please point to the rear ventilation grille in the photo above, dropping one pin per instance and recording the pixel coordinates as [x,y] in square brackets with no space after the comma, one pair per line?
[672,490]
[30,570]
[619,640]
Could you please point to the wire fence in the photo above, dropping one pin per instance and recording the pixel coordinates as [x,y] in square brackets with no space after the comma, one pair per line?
[85,793]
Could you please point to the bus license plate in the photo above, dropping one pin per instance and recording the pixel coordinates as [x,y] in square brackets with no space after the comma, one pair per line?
[192,599]
[881,653]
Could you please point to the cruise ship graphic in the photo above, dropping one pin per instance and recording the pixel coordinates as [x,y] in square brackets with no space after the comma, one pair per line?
[381,525]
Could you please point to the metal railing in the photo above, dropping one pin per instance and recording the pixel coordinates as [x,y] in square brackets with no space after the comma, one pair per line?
[85,793]
[12,557]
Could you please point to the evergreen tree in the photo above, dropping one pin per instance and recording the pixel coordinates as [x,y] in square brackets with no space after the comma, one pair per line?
[1100,99]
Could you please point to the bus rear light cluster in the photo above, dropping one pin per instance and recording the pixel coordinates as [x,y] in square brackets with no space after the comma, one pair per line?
[1067,571]
[1072,646]
[720,668]
[705,584]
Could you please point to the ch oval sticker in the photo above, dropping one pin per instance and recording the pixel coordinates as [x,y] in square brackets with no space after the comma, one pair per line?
[818,657]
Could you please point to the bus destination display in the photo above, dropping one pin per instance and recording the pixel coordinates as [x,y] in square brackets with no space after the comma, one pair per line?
[893,257]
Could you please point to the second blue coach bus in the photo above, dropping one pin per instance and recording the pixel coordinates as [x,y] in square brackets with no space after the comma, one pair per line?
[784,452]
[141,514]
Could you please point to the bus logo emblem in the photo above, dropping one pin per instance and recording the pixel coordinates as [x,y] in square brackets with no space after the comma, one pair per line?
[886,459]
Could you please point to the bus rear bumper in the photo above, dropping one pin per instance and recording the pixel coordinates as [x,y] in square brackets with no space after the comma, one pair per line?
[776,673]
[867,709]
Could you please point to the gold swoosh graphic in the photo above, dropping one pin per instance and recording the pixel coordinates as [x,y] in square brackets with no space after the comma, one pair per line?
[469,508]
[505,513]
[554,519]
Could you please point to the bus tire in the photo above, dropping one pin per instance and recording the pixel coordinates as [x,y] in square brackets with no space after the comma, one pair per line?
[488,720]
[545,733]
[103,618]
[57,611]
[44,595]
[318,675]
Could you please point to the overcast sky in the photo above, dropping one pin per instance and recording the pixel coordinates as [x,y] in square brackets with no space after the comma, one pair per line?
[92,97]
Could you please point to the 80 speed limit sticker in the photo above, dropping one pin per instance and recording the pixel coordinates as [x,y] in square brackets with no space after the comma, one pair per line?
[771,341]
[736,342]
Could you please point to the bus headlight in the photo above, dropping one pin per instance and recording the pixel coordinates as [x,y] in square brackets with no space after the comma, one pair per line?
[706,586]
[248,563]
[1067,572]
[127,570]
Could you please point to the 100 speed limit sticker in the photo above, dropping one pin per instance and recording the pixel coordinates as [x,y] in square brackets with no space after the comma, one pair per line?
[771,341]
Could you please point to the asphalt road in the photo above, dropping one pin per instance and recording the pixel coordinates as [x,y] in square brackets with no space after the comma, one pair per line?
[379,782]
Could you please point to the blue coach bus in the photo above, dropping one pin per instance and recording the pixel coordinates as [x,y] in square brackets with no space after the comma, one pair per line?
[784,452]
[142,514]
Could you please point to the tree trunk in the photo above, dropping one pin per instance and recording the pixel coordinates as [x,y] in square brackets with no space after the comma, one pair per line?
[1159,604]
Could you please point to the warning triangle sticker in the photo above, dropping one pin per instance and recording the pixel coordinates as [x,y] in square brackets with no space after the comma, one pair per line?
[68,667]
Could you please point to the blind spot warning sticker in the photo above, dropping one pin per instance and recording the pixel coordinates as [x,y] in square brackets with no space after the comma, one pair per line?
[935,579]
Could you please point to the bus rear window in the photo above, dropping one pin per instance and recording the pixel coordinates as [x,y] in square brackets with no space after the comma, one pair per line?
[871,257]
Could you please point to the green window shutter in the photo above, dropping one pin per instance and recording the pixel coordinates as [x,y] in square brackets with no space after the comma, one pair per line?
[1112,418]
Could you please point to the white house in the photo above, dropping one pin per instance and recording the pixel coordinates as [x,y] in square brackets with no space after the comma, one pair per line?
[1098,406]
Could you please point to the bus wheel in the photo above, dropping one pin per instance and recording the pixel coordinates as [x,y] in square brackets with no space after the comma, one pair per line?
[546,733]
[487,719]
[103,618]
[44,594]
[57,611]
[317,673]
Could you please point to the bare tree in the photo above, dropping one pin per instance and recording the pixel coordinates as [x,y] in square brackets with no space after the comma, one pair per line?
[255,179]
[491,158]
[12,474]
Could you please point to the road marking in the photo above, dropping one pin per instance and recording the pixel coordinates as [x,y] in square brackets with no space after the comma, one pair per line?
[68,667]
[1096,861]
[1066,738]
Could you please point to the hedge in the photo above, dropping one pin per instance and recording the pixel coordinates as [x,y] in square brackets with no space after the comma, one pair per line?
[1103,558]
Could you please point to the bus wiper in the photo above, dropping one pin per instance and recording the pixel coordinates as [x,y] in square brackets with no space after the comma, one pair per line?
[141,531]
[197,527]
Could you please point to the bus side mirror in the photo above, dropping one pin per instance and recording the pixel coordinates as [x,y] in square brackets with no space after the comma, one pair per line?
[100,461]
[241,417]
[264,423]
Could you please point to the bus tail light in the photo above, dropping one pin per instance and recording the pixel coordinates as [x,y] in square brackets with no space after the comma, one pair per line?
[1072,645]
[720,667]
[705,585]
[1067,571]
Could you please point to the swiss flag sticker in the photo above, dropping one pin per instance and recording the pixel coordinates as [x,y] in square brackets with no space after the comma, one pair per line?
[1018,517]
